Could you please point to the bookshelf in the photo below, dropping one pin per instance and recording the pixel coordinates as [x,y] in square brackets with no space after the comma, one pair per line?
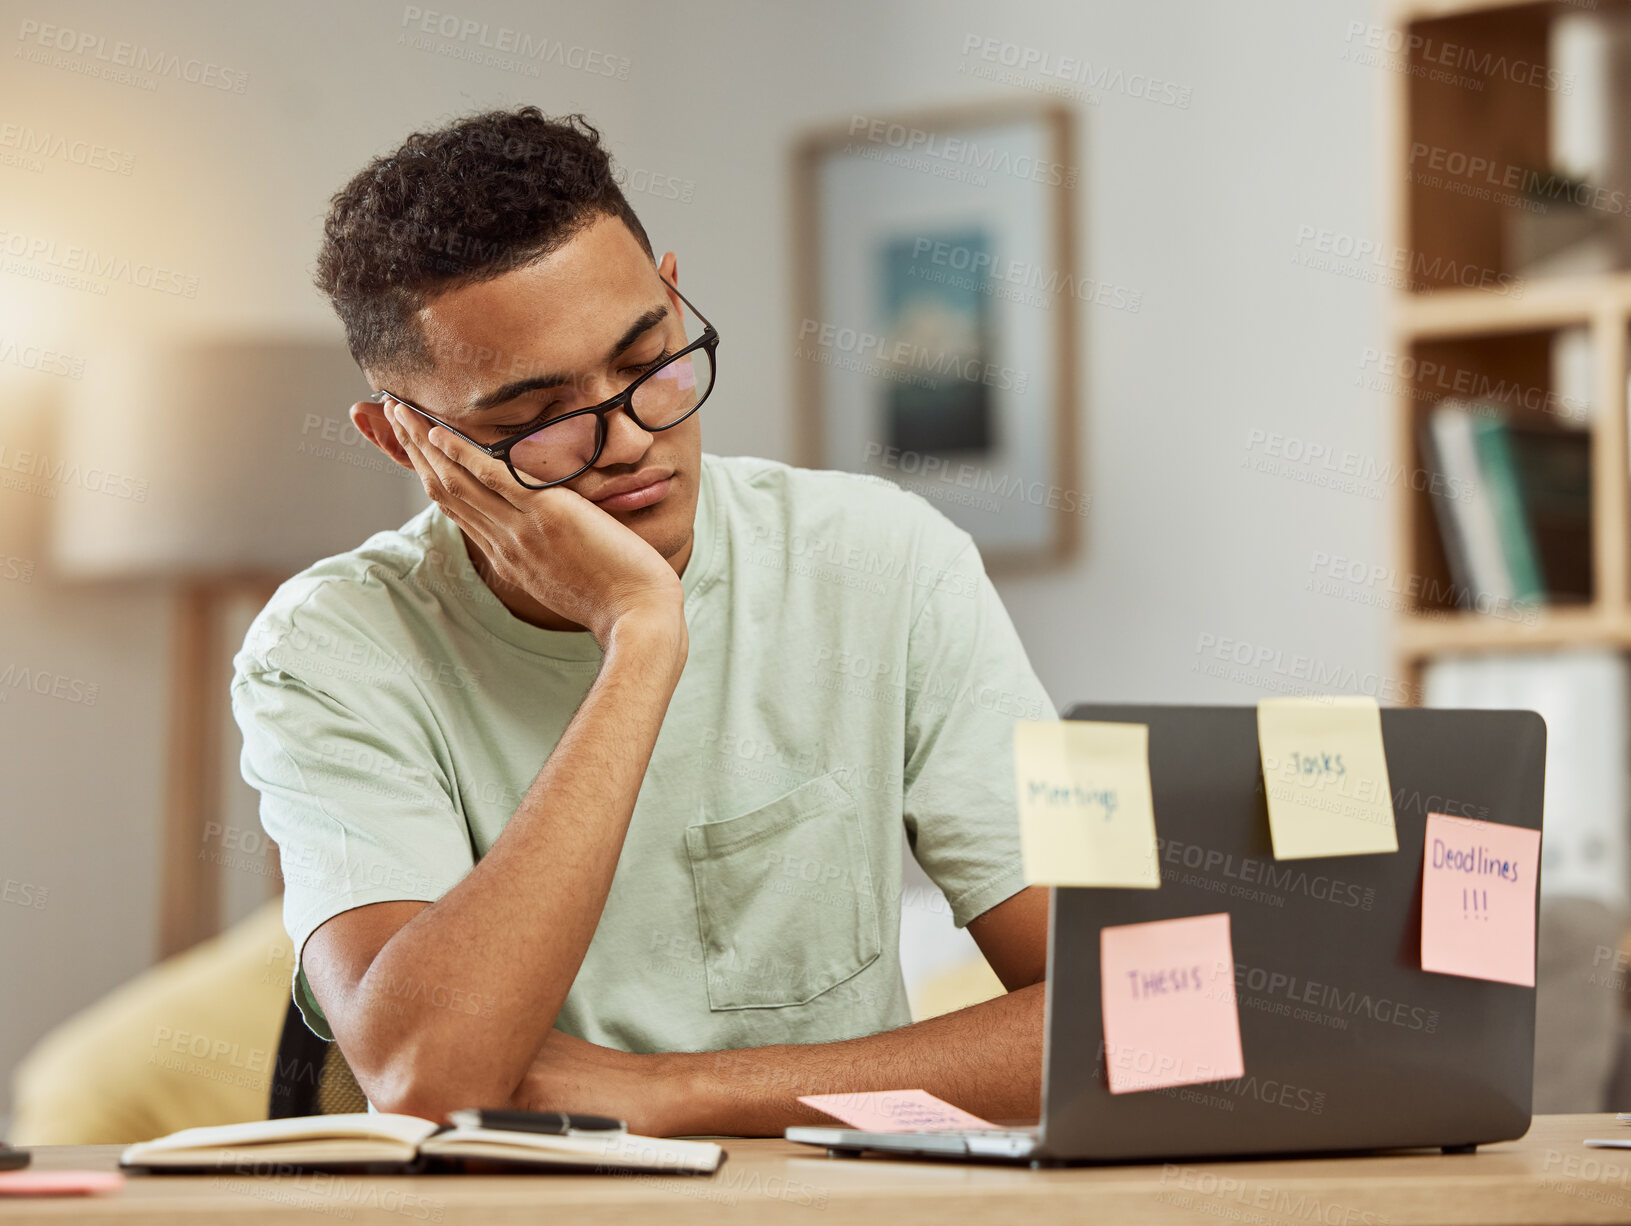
[1453,232]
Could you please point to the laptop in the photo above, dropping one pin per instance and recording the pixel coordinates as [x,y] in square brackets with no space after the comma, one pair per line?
[1349,1045]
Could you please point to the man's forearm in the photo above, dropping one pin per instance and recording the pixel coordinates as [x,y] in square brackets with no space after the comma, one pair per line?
[512,933]
[986,1058]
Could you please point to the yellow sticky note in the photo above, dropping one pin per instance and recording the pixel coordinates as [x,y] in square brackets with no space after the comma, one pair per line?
[1326,777]
[1085,814]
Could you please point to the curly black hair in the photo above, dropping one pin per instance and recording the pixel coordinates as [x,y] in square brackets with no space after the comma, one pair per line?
[455,206]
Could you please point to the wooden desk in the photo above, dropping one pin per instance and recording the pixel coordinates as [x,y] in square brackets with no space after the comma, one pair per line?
[1549,1176]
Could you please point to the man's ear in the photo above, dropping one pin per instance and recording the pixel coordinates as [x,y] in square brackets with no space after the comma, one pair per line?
[669,267]
[369,418]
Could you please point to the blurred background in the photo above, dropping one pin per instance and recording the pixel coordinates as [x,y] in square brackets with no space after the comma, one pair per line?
[1288,344]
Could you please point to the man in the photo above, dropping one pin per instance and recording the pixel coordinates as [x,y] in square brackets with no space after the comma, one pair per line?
[590,781]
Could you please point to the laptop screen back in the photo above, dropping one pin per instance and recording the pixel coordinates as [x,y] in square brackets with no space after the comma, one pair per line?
[1348,1043]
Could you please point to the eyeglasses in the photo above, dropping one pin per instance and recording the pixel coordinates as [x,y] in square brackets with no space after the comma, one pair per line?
[554,452]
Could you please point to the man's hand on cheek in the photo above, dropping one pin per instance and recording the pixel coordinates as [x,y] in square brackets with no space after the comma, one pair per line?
[568,554]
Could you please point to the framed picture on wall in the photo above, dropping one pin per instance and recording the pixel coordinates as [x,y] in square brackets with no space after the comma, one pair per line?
[935,323]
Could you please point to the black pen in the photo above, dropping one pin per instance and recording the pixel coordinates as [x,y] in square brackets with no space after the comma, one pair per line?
[557,1123]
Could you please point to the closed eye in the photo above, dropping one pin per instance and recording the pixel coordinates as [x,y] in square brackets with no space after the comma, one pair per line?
[655,362]
[554,408]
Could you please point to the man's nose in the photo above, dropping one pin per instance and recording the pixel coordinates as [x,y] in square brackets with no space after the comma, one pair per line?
[626,441]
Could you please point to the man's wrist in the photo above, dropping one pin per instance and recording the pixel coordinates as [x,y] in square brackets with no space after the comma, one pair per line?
[688,1094]
[651,635]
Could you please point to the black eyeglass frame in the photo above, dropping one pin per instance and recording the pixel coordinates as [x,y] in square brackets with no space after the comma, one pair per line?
[500,450]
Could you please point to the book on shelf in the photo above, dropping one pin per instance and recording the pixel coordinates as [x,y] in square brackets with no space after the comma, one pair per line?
[1513,506]
[383,1143]
[1465,514]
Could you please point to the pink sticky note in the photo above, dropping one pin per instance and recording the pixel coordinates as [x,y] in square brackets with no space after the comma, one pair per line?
[895,1111]
[1170,1017]
[1478,899]
[59,1183]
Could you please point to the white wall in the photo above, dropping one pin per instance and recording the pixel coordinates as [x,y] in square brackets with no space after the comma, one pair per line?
[1198,209]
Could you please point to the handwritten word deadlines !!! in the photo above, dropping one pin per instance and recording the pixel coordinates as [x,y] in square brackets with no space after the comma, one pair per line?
[1477,861]
[1479,884]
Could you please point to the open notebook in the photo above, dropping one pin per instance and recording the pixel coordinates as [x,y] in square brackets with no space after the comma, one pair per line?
[383,1143]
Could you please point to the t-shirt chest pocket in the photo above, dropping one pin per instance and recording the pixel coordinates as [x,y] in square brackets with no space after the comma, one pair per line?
[785,898]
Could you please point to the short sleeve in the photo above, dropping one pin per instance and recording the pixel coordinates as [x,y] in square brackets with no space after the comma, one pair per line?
[358,807]
[969,680]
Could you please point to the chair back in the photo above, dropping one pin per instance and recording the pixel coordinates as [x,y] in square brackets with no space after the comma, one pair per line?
[310,1076]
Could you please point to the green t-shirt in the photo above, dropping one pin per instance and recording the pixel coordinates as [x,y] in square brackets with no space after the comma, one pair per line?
[852,676]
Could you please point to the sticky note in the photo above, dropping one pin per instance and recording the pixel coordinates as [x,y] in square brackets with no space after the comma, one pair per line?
[1325,773]
[59,1183]
[1170,1017]
[1085,814]
[1479,881]
[895,1111]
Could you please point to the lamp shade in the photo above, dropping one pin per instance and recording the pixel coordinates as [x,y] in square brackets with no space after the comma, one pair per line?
[217,456]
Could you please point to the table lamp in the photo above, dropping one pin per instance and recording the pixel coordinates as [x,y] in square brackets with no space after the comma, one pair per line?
[222,465]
